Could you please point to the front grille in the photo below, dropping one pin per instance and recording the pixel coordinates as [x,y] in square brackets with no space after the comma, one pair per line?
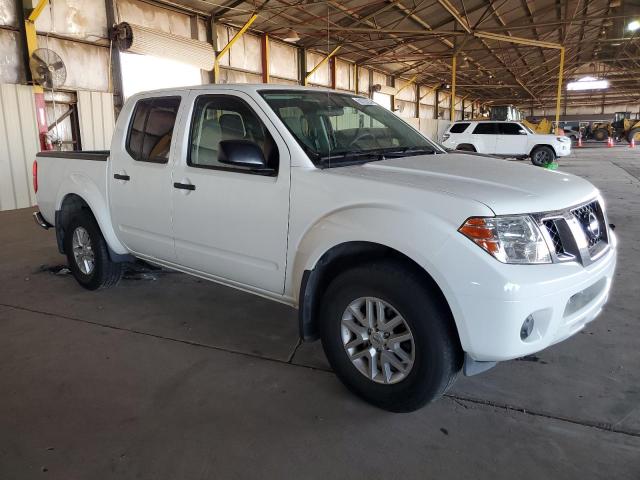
[591,221]
[554,235]
[566,231]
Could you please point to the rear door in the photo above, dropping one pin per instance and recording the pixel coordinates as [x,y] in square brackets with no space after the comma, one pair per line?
[140,177]
[484,137]
[229,222]
[511,140]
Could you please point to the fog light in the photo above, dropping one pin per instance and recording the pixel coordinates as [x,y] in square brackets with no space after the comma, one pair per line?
[527,328]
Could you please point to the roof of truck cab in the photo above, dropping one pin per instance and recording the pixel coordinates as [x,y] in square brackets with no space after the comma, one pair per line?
[243,87]
[487,121]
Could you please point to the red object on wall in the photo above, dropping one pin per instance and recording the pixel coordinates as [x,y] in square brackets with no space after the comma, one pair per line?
[41,121]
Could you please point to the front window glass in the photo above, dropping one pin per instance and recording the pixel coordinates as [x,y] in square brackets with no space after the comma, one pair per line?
[338,129]
[223,117]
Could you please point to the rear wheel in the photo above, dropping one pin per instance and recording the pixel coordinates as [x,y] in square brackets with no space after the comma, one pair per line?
[542,156]
[388,338]
[634,134]
[88,255]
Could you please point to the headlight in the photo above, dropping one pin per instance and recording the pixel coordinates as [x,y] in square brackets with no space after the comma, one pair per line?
[510,239]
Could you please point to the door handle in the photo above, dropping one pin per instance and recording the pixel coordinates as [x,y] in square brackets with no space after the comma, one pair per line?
[184,186]
[119,176]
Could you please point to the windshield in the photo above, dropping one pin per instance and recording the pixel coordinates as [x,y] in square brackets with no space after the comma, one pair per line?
[337,129]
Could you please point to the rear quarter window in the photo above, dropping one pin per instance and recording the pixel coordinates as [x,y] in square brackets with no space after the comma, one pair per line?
[458,127]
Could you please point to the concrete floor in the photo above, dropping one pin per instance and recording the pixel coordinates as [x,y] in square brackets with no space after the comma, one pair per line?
[179,378]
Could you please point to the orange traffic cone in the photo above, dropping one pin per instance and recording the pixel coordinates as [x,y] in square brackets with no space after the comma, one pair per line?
[609,142]
[633,143]
[580,141]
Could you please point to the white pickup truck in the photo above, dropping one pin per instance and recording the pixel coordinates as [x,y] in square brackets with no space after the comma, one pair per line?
[410,263]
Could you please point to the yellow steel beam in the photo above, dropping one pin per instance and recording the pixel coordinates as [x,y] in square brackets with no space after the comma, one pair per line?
[454,64]
[518,40]
[559,94]
[30,33]
[413,79]
[227,47]
[35,13]
[320,64]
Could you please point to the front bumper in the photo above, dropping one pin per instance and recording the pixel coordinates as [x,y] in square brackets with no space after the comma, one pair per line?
[492,303]
[563,149]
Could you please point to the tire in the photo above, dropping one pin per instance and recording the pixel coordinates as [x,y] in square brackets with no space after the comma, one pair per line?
[435,347]
[634,134]
[542,156]
[102,272]
[600,134]
[465,147]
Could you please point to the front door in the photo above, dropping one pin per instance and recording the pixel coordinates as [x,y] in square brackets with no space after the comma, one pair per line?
[484,137]
[231,222]
[139,178]
[511,140]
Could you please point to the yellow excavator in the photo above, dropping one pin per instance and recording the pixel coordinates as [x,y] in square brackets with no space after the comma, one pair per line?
[626,127]
[510,112]
[543,127]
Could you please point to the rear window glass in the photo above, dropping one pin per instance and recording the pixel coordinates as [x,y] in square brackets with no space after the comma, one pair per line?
[458,127]
[151,129]
[485,128]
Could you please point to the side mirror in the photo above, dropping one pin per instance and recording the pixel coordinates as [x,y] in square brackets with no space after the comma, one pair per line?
[244,153]
[522,132]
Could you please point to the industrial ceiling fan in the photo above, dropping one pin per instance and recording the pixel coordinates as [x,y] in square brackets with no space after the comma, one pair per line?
[47,68]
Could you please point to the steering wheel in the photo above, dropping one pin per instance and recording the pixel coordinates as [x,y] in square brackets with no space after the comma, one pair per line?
[362,136]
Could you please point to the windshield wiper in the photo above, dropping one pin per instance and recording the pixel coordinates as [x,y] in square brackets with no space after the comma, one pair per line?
[408,151]
[355,156]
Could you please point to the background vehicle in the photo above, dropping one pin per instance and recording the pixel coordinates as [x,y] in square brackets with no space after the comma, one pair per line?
[506,139]
[396,253]
[627,126]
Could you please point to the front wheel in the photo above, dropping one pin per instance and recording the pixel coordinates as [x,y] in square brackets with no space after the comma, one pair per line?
[542,156]
[388,338]
[634,135]
[88,255]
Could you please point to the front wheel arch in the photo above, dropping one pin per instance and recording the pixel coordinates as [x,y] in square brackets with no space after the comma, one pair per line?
[343,257]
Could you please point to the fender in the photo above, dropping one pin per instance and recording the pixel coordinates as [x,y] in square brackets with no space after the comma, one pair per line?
[543,145]
[382,225]
[84,187]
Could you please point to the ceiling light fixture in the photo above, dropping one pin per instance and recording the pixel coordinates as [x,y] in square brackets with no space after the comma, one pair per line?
[633,26]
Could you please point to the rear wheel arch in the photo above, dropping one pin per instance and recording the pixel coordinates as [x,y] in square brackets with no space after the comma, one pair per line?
[466,147]
[343,257]
[71,205]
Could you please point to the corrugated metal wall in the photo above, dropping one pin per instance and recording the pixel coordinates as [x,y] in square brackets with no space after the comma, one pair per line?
[18,146]
[96,118]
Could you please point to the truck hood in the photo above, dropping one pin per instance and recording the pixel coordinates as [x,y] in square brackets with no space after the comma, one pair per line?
[506,187]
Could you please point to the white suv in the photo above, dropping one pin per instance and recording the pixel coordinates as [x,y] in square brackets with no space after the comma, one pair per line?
[506,139]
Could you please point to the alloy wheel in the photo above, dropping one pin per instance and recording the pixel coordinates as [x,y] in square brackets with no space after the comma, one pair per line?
[377,340]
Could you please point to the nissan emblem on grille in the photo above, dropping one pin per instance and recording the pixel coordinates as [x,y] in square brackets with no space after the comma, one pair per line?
[593,227]
[591,220]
